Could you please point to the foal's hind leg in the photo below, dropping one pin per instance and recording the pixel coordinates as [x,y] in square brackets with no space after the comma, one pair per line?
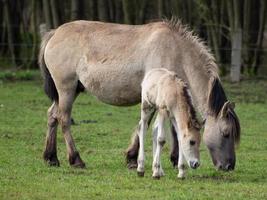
[50,152]
[146,111]
[66,99]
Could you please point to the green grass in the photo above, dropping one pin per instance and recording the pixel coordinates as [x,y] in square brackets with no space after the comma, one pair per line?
[24,175]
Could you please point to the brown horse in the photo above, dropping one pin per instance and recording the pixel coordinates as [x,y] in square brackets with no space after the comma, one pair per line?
[110,61]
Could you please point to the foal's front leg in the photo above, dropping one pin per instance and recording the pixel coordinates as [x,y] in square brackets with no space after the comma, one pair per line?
[160,141]
[181,158]
[146,111]
[181,164]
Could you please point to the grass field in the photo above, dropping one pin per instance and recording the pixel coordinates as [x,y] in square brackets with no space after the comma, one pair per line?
[102,133]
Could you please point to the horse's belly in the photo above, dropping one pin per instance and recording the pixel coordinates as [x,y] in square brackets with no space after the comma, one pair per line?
[113,86]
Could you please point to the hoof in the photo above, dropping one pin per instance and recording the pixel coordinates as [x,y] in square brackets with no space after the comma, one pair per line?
[181,177]
[141,174]
[76,161]
[132,164]
[157,177]
[51,159]
[131,158]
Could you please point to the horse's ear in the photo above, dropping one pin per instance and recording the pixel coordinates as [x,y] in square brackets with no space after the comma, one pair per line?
[232,105]
[226,106]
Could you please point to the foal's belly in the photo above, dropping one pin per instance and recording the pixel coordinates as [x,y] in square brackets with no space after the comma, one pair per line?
[113,85]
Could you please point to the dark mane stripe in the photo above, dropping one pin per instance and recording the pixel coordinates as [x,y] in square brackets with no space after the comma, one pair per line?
[217,97]
[192,112]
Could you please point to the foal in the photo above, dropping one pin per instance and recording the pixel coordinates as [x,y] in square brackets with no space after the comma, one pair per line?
[164,91]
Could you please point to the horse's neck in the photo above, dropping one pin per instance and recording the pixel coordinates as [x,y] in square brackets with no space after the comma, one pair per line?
[198,77]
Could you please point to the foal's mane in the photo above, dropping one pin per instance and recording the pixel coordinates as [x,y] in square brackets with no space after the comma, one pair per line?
[192,112]
[216,94]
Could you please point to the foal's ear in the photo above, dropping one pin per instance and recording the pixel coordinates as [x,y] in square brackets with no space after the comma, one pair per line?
[194,123]
[197,125]
[226,106]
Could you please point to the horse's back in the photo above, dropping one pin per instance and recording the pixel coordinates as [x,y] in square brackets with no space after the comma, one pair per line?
[110,60]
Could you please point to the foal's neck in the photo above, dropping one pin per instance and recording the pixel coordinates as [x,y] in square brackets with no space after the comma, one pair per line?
[181,113]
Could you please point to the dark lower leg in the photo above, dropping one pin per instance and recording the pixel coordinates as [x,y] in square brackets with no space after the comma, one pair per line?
[50,152]
[174,157]
[73,155]
[133,149]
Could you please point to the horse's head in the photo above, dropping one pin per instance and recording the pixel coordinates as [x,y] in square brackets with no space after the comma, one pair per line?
[221,133]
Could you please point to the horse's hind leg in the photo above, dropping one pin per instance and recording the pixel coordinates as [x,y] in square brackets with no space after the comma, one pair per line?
[50,152]
[133,149]
[174,157]
[66,99]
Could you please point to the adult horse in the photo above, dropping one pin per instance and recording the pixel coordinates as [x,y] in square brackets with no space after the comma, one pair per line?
[110,60]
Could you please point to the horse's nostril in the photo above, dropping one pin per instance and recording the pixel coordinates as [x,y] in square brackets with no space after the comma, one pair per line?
[229,167]
[220,167]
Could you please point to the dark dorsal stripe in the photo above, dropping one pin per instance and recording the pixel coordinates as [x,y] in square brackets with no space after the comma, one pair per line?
[217,97]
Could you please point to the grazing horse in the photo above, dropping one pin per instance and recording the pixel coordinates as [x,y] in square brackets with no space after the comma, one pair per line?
[110,60]
[162,90]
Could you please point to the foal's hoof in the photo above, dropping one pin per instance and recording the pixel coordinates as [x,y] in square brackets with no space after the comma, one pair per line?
[51,159]
[181,177]
[156,177]
[141,174]
[76,161]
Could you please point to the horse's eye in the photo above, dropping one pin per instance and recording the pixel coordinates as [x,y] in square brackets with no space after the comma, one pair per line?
[226,135]
[192,142]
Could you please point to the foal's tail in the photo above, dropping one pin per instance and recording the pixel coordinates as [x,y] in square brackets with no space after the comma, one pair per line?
[49,85]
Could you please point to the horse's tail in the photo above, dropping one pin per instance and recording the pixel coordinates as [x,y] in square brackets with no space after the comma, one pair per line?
[49,84]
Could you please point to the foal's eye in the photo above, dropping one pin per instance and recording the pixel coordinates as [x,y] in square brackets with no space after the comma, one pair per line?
[226,135]
[192,142]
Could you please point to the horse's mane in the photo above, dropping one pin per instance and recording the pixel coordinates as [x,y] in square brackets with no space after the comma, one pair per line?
[217,96]
[208,59]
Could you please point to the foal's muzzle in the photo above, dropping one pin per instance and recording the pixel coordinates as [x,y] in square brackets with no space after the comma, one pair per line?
[194,164]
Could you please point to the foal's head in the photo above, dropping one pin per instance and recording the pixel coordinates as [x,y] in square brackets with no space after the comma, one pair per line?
[190,136]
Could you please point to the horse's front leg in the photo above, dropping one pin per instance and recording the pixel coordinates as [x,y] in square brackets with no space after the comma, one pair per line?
[50,152]
[66,100]
[146,111]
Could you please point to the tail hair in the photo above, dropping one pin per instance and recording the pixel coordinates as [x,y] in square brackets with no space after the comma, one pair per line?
[49,84]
